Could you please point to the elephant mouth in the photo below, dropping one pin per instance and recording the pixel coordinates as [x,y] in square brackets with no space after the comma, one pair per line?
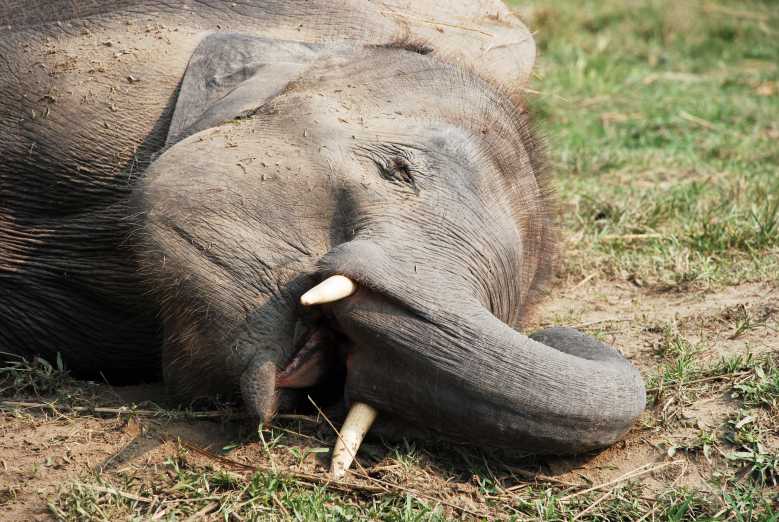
[316,359]
[321,355]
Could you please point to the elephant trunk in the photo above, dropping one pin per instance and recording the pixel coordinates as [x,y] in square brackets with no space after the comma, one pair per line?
[452,366]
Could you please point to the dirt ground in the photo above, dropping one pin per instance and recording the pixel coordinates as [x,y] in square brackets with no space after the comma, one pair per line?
[43,451]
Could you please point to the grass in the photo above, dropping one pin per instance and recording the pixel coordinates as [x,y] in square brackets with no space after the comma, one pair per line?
[186,491]
[190,483]
[663,123]
[37,377]
[663,126]
[200,492]
[762,389]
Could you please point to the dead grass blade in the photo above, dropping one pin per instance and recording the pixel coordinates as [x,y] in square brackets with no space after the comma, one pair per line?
[722,377]
[121,410]
[639,471]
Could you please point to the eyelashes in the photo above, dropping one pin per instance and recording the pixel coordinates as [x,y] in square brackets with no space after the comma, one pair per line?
[393,163]
[398,170]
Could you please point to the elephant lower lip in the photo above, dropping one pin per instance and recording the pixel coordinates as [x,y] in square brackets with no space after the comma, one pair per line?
[310,364]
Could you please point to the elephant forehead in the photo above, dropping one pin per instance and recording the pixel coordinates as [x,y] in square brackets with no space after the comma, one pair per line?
[392,91]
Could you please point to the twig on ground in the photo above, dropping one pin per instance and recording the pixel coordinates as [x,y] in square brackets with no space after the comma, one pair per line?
[292,417]
[592,506]
[189,500]
[121,410]
[402,489]
[652,512]
[721,377]
[630,237]
[641,470]
[126,410]
[735,13]
[584,281]
[697,120]
[200,515]
[116,492]
[297,434]
[600,321]
[281,506]
[538,477]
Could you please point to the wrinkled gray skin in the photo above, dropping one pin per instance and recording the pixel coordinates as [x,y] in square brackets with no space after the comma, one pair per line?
[166,190]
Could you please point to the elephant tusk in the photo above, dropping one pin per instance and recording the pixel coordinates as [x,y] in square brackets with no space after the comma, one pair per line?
[332,289]
[356,425]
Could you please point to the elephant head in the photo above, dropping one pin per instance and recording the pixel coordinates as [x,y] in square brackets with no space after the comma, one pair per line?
[407,191]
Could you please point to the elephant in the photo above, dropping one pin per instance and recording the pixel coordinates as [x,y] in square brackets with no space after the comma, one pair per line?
[263,198]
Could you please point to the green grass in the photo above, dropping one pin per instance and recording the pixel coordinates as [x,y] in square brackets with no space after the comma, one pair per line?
[663,127]
[761,389]
[186,491]
[36,377]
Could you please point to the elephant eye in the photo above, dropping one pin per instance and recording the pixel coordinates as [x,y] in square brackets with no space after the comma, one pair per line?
[394,163]
[398,169]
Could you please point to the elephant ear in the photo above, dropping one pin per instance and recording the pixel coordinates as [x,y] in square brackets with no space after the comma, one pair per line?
[230,75]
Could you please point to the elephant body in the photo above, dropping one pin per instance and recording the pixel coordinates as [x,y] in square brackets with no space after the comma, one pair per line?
[87,92]
[175,175]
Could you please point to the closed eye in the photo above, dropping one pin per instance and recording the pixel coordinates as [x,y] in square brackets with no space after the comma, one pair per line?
[394,166]
[399,170]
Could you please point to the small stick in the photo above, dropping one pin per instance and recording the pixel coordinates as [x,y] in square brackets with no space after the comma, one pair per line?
[292,417]
[116,492]
[188,500]
[641,470]
[538,478]
[121,410]
[200,515]
[584,281]
[589,508]
[698,381]
[124,410]
[699,121]
[652,512]
[281,506]
[713,8]
[297,434]
[630,237]
[600,321]
[402,489]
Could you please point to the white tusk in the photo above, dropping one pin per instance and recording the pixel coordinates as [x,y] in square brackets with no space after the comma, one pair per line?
[356,425]
[332,289]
